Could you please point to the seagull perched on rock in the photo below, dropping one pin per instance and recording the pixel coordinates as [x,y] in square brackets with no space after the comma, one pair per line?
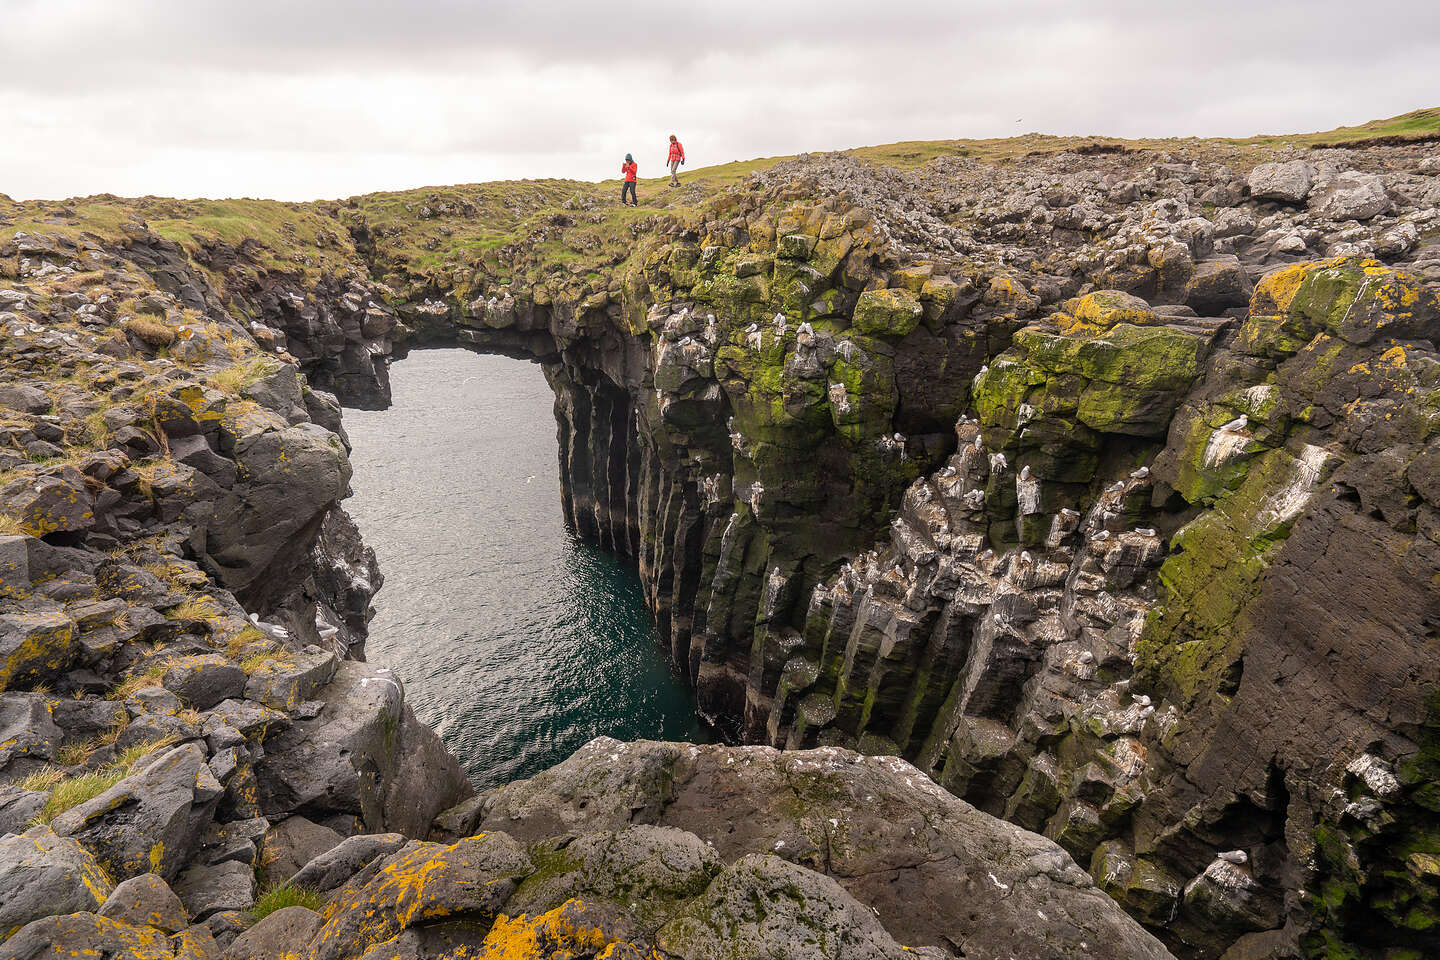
[1117,486]
[1145,531]
[1140,474]
[1025,557]
[1233,856]
[273,629]
[1236,425]
[1100,537]
[1086,657]
[1025,472]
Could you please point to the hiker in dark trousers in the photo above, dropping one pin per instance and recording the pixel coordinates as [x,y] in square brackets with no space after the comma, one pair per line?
[628,168]
[676,158]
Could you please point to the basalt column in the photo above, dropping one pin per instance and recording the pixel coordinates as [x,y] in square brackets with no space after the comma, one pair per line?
[597,443]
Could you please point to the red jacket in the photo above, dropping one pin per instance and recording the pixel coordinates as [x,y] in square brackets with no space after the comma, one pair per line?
[629,170]
[677,152]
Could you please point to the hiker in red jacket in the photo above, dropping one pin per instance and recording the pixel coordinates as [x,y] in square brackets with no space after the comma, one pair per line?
[628,168]
[676,158]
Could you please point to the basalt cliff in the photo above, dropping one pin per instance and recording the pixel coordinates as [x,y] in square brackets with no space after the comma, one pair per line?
[1096,482]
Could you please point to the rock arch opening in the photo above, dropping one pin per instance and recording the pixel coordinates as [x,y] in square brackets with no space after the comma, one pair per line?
[519,642]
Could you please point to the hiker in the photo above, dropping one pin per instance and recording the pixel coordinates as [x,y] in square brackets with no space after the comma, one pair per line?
[676,160]
[628,168]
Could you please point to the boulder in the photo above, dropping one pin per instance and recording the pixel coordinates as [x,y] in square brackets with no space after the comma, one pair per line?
[146,901]
[19,806]
[288,680]
[52,504]
[14,565]
[1217,285]
[151,820]
[28,734]
[277,935]
[934,869]
[85,719]
[1288,182]
[469,880]
[1106,308]
[293,475]
[1350,196]
[207,889]
[762,907]
[248,718]
[226,925]
[205,680]
[43,874]
[337,865]
[196,943]
[648,870]
[365,755]
[35,646]
[887,313]
[86,935]
[24,398]
[291,844]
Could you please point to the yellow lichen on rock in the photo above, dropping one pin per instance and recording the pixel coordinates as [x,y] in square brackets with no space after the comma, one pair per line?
[1104,309]
[562,932]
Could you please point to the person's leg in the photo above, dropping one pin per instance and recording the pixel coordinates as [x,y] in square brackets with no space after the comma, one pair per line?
[674,173]
[627,190]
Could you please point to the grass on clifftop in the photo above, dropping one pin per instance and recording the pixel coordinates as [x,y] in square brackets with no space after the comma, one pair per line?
[425,230]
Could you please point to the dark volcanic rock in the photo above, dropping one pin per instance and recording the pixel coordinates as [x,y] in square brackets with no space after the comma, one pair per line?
[146,901]
[936,870]
[42,874]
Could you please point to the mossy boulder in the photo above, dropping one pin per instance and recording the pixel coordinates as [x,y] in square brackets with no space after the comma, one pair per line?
[888,313]
[646,869]
[1357,300]
[1104,309]
[762,906]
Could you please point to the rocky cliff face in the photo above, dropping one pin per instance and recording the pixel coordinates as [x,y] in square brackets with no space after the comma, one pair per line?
[1096,484]
[178,586]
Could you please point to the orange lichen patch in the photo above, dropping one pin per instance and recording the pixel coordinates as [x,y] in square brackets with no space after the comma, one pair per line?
[1276,290]
[89,935]
[561,932]
[1104,309]
[469,879]
[1071,327]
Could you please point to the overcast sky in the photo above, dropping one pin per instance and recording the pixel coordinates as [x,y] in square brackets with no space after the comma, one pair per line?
[299,99]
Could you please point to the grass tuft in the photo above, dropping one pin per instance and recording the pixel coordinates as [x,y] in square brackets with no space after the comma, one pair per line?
[149,677]
[150,331]
[283,895]
[66,793]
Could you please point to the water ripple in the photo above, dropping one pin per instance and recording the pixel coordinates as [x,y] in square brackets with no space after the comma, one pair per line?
[516,642]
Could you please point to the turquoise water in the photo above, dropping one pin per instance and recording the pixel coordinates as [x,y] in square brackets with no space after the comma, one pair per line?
[517,643]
